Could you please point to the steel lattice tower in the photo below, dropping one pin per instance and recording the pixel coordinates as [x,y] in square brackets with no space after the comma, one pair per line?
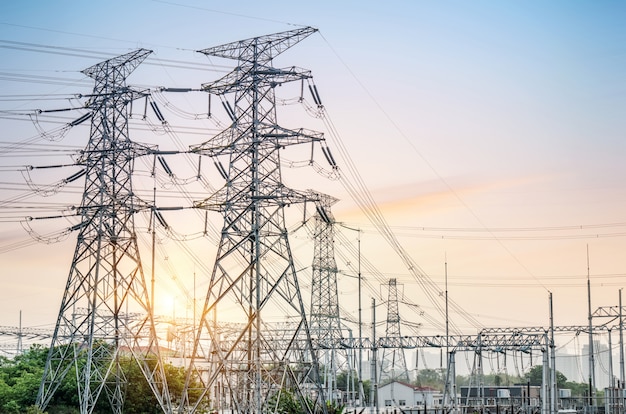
[97,326]
[393,362]
[325,319]
[254,280]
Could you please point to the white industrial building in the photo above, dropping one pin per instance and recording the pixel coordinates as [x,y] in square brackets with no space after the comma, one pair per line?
[404,395]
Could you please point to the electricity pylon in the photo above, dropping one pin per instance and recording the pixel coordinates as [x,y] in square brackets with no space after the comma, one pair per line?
[393,362]
[97,326]
[254,279]
[324,316]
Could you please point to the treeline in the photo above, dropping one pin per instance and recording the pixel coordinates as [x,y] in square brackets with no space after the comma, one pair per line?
[435,378]
[20,378]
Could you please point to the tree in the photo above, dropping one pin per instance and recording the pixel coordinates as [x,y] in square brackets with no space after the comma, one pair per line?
[20,378]
[285,402]
[535,376]
[579,389]
[430,378]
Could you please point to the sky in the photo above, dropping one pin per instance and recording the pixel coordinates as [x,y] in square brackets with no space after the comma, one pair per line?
[489,134]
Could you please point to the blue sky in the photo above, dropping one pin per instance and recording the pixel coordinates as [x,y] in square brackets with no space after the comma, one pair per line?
[495,126]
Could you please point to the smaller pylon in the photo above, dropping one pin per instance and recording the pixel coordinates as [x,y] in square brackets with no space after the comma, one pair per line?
[393,362]
[326,329]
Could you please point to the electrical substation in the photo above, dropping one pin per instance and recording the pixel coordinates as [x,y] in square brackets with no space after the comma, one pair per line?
[262,325]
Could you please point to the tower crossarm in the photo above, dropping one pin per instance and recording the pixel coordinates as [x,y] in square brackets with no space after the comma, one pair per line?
[514,330]
[609,312]
[243,77]
[112,70]
[323,204]
[129,148]
[106,92]
[536,330]
[283,196]
[28,333]
[230,141]
[262,48]
[483,342]
[475,343]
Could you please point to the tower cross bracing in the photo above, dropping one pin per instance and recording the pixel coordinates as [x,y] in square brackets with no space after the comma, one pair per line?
[94,329]
[254,279]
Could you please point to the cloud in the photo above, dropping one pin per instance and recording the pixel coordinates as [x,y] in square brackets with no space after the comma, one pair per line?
[422,198]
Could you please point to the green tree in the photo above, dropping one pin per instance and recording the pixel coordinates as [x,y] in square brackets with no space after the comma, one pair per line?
[344,376]
[535,376]
[139,398]
[334,407]
[579,389]
[20,379]
[285,402]
[430,378]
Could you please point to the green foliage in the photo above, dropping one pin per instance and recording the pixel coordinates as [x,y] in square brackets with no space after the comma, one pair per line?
[138,397]
[19,380]
[21,376]
[342,383]
[11,407]
[33,409]
[334,407]
[285,402]
[342,379]
[579,389]
[535,376]
[430,378]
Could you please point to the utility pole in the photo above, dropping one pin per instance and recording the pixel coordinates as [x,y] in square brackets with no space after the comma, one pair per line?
[553,384]
[611,388]
[361,391]
[620,400]
[19,336]
[106,281]
[592,381]
[254,280]
[374,362]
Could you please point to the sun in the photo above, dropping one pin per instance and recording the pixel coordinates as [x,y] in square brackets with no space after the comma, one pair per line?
[167,304]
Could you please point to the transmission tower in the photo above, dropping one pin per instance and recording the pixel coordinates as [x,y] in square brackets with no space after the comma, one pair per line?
[325,320]
[254,279]
[97,325]
[393,362]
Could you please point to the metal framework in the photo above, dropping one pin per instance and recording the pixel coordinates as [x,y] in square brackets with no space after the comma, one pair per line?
[393,365]
[94,331]
[324,316]
[254,279]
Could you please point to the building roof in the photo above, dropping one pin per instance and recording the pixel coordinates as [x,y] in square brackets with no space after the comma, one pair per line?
[413,387]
